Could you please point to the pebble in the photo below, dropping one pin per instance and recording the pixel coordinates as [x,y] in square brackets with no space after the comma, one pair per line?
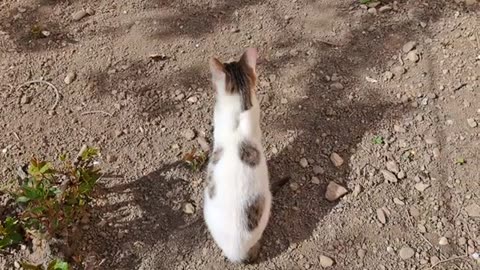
[413,56]
[414,212]
[401,175]
[336,86]
[284,101]
[473,210]
[388,75]
[193,99]
[188,134]
[398,201]
[393,166]
[77,16]
[303,162]
[434,260]
[399,128]
[407,47]
[16,265]
[462,241]
[398,71]
[421,186]
[203,144]
[381,216]
[356,190]
[472,123]
[361,253]
[385,8]
[406,252]
[334,191]
[294,186]
[326,261]
[389,176]
[318,170]
[70,77]
[336,159]
[372,11]
[315,180]
[430,140]
[188,208]
[443,241]
[25,99]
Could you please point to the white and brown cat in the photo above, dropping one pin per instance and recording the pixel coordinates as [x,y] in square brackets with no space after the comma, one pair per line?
[237,197]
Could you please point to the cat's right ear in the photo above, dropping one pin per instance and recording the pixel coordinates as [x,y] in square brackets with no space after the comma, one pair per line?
[217,69]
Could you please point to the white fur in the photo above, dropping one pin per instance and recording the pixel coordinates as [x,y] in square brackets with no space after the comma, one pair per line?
[236,183]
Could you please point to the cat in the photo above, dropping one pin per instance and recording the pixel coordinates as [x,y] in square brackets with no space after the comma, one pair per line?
[237,198]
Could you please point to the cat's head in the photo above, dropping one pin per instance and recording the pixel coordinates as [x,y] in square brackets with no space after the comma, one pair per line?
[236,78]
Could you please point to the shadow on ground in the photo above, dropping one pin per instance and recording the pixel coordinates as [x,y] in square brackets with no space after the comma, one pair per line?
[344,121]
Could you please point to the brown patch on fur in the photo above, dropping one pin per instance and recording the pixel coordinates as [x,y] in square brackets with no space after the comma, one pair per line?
[217,154]
[240,80]
[211,189]
[254,212]
[249,154]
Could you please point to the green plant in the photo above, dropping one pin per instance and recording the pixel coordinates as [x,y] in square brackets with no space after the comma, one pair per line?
[378,140]
[10,232]
[195,160]
[53,265]
[52,199]
[365,1]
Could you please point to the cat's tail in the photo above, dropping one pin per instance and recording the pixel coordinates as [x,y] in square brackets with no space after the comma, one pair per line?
[278,184]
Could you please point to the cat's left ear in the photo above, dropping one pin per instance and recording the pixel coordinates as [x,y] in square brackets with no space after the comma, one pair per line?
[250,57]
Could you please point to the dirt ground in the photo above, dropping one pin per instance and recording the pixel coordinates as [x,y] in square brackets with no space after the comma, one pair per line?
[393,89]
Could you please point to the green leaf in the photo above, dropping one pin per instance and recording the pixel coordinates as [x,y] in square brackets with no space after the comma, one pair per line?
[378,140]
[28,266]
[45,168]
[22,199]
[365,1]
[460,161]
[58,265]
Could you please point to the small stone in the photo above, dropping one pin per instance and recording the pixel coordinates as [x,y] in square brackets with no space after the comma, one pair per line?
[77,16]
[421,186]
[401,175]
[188,208]
[399,128]
[284,101]
[361,253]
[356,190]
[203,144]
[70,77]
[407,47]
[385,8]
[315,180]
[381,216]
[422,228]
[16,265]
[393,166]
[389,176]
[443,241]
[434,260]
[25,99]
[372,11]
[473,210]
[118,133]
[406,252]
[294,186]
[462,241]
[336,159]
[193,99]
[413,56]
[398,201]
[90,11]
[414,212]
[303,162]
[46,33]
[398,71]
[318,170]
[472,123]
[326,261]
[388,75]
[336,86]
[430,140]
[334,191]
[188,134]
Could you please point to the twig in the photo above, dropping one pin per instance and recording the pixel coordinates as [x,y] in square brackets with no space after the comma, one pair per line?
[101,112]
[448,260]
[57,94]
[16,136]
